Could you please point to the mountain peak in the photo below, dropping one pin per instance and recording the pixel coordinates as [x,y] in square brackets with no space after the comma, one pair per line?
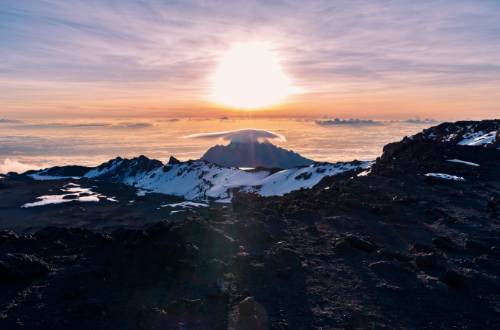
[254,154]
[172,161]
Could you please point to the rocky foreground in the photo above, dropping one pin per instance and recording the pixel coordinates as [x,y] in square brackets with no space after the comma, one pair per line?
[412,243]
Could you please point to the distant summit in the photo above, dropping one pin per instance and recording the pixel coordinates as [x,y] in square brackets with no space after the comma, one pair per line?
[254,154]
[251,148]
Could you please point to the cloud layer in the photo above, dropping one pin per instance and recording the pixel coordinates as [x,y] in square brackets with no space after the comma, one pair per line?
[11,165]
[242,136]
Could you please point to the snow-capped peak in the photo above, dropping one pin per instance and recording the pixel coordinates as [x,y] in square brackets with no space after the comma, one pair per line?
[200,180]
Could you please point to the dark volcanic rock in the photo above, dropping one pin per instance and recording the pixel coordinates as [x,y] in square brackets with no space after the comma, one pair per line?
[22,267]
[360,243]
[282,257]
[445,244]
[251,315]
[424,261]
[454,279]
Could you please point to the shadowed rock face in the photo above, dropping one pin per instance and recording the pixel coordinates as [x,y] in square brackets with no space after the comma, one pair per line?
[254,154]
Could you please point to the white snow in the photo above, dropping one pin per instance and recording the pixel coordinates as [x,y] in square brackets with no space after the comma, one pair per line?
[48,199]
[92,198]
[462,162]
[197,180]
[478,138]
[283,182]
[445,176]
[201,181]
[365,172]
[185,205]
[71,189]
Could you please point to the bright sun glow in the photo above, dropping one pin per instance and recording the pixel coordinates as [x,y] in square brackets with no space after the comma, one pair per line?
[250,76]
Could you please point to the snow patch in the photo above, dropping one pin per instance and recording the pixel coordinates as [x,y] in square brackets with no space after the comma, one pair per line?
[72,192]
[185,205]
[478,138]
[445,176]
[365,172]
[462,162]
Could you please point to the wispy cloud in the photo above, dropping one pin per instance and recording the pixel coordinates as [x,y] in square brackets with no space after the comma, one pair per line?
[241,135]
[11,165]
[9,121]
[347,122]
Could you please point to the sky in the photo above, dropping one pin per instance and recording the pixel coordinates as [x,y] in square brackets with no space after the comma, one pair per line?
[351,59]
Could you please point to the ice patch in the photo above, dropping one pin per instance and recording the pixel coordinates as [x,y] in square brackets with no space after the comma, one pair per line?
[462,162]
[445,176]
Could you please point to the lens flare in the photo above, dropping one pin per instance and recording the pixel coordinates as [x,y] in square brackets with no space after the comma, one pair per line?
[250,76]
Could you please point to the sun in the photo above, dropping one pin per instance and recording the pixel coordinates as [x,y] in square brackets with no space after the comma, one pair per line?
[250,76]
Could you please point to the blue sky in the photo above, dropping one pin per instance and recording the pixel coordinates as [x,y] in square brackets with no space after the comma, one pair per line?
[365,58]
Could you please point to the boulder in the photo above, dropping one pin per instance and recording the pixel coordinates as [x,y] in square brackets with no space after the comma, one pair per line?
[476,245]
[393,271]
[392,255]
[360,243]
[426,260]
[7,235]
[251,315]
[420,247]
[444,244]
[283,257]
[454,279]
